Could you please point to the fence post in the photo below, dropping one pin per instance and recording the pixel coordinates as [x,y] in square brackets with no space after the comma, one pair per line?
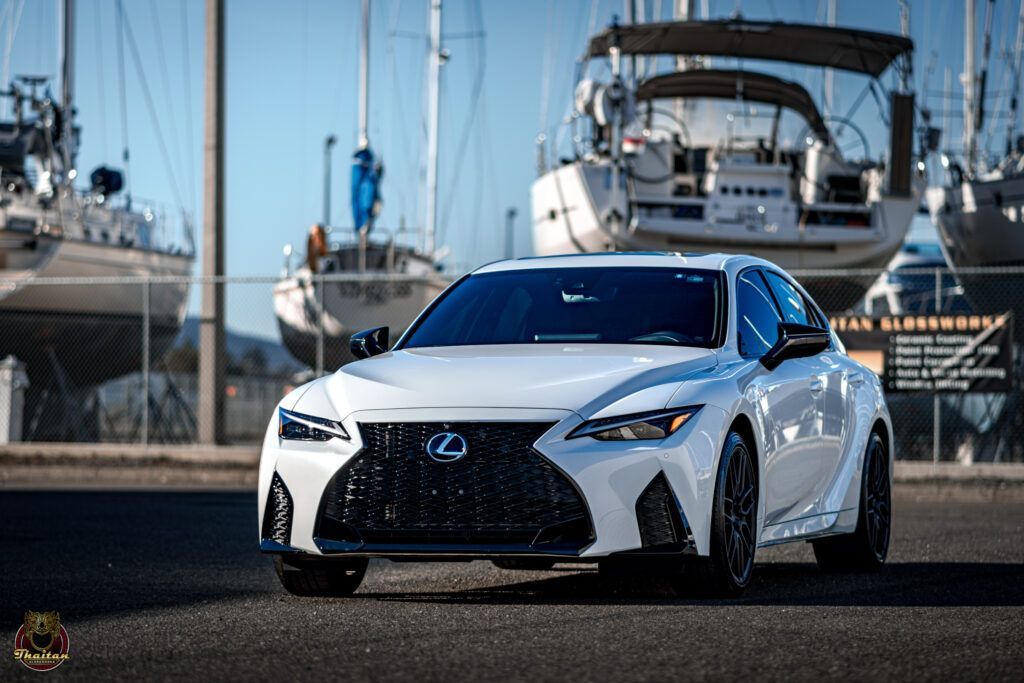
[320,325]
[936,403]
[145,362]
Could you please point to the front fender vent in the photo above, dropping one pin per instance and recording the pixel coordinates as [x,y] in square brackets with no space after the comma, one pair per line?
[659,516]
[277,518]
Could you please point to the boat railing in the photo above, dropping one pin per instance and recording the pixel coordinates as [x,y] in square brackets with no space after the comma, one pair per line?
[344,238]
[143,222]
[364,240]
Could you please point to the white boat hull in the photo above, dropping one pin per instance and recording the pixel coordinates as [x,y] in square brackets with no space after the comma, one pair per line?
[351,303]
[87,333]
[572,204]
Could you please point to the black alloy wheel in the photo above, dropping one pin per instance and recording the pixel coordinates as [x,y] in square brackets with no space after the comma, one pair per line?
[726,571]
[878,500]
[868,546]
[739,498]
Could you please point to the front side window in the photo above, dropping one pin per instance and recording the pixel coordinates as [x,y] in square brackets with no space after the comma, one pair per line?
[757,319]
[612,305]
[794,308]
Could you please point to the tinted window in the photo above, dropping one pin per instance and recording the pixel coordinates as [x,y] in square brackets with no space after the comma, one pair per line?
[578,306]
[757,320]
[794,308]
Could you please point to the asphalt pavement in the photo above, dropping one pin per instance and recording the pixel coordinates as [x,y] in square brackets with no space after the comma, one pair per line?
[170,585]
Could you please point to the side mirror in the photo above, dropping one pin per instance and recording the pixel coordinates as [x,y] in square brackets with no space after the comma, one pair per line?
[367,343]
[796,341]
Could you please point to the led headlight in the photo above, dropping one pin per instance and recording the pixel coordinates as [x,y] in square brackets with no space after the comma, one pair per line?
[657,424]
[298,427]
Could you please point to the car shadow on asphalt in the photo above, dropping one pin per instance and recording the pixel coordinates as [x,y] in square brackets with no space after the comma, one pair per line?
[910,584]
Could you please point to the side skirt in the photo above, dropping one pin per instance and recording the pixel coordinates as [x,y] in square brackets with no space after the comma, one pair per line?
[810,527]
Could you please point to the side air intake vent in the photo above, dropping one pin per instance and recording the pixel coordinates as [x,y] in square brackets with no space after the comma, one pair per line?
[658,515]
[277,518]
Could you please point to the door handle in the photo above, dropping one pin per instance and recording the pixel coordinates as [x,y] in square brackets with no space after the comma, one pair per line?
[855,378]
[816,385]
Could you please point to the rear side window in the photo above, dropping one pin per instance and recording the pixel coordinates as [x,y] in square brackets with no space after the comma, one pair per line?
[757,319]
[794,308]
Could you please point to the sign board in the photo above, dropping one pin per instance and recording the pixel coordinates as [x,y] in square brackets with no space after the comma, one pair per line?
[933,353]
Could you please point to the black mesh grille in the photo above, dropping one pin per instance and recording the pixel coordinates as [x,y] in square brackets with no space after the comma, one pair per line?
[657,514]
[277,518]
[502,492]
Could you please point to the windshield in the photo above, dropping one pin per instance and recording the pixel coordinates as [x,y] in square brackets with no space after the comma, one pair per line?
[673,306]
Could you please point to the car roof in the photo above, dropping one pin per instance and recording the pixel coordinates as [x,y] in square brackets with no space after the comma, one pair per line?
[650,259]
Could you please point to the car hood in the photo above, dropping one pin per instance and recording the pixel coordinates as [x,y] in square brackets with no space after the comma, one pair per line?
[590,379]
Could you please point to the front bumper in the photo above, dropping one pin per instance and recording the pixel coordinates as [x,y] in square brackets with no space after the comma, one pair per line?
[577,499]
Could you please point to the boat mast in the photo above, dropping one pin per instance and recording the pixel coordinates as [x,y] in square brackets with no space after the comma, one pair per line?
[433,118]
[947,109]
[979,104]
[364,78]
[684,10]
[635,65]
[968,84]
[1018,54]
[829,87]
[67,84]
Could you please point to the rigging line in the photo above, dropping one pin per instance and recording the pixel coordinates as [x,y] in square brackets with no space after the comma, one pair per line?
[397,127]
[474,100]
[475,19]
[12,32]
[166,77]
[101,79]
[1001,51]
[8,7]
[545,73]
[122,89]
[490,174]
[187,79]
[592,23]
[150,105]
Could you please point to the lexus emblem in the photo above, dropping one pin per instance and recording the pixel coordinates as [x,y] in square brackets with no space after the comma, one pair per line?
[447,447]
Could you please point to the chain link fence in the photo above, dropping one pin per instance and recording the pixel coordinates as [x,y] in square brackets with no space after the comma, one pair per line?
[94,360]
[948,346]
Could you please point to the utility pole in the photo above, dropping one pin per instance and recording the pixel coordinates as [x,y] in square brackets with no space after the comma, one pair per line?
[211,322]
[328,145]
[437,58]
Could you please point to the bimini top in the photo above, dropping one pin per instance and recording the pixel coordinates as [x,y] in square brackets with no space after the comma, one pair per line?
[866,52]
[721,84]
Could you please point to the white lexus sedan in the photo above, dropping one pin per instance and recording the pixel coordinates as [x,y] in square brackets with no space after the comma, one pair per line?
[653,413]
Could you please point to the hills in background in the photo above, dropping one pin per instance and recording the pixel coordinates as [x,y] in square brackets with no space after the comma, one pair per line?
[249,353]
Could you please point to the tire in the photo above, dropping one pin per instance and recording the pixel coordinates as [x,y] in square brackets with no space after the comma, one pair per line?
[321,578]
[530,563]
[728,568]
[868,546]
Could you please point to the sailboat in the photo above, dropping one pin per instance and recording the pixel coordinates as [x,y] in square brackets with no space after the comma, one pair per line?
[73,337]
[979,212]
[369,279]
[647,176]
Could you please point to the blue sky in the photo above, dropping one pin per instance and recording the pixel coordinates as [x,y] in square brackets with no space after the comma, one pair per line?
[292,78]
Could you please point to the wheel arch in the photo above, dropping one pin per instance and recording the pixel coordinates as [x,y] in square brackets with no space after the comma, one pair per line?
[744,426]
[884,430]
